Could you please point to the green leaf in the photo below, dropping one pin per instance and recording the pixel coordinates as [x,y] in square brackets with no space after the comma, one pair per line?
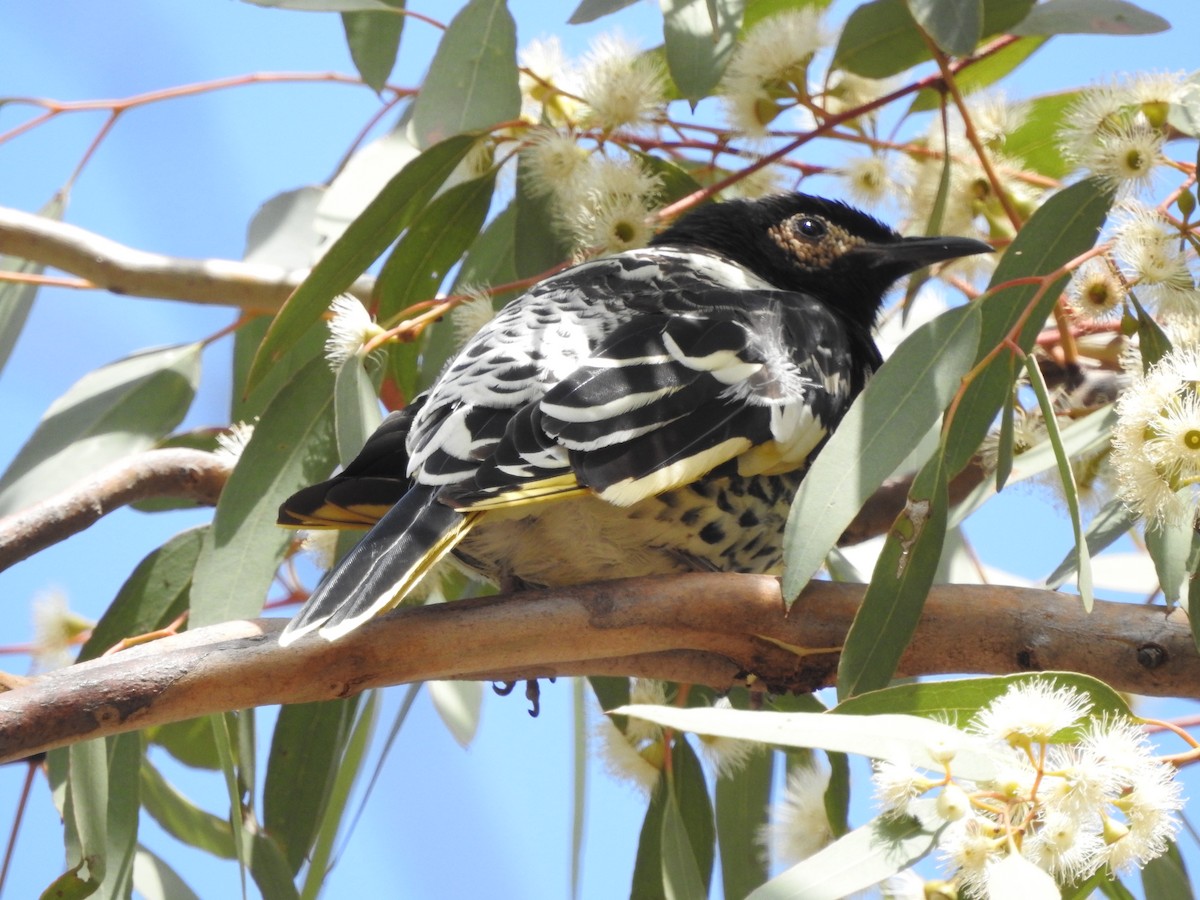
[306,754]
[899,405]
[700,36]
[359,245]
[489,261]
[648,865]
[355,407]
[984,73]
[677,182]
[689,796]
[539,247]
[114,411]
[1090,17]
[374,40]
[153,879]
[223,739]
[87,784]
[189,741]
[246,406]
[292,446]
[891,608]
[681,872]
[1166,876]
[1113,520]
[954,702]
[742,798]
[1035,141]
[1062,228]
[181,818]
[434,242]
[591,10]
[124,761]
[1153,342]
[458,704]
[472,81]
[954,25]
[1066,477]
[895,737]
[864,857]
[70,886]
[339,796]
[152,597]
[1169,547]
[579,759]
[16,298]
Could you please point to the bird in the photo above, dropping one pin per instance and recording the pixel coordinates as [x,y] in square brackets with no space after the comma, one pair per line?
[645,413]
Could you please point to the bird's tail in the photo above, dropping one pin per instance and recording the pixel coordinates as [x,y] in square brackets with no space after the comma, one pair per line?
[384,566]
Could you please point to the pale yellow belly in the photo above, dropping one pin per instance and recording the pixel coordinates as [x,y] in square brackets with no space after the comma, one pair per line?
[725,525]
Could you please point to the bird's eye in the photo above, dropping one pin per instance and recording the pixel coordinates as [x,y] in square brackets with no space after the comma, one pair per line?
[810,227]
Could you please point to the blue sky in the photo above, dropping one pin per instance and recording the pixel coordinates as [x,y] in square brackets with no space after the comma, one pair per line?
[184,177]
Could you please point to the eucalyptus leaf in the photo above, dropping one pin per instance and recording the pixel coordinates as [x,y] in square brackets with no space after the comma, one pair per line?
[954,25]
[16,297]
[1166,876]
[591,10]
[356,412]
[87,783]
[862,858]
[1169,545]
[1113,520]
[742,798]
[110,413]
[688,792]
[359,245]
[124,761]
[153,879]
[181,818]
[374,41]
[458,704]
[681,872]
[700,36]
[889,418]
[1090,17]
[648,864]
[905,739]
[472,81]
[292,446]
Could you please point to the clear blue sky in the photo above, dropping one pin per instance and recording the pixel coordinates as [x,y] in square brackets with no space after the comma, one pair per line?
[185,177]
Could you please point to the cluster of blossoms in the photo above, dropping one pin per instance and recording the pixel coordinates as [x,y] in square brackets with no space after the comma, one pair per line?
[1055,810]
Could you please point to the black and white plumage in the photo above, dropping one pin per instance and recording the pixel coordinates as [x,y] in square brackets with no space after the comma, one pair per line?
[646,413]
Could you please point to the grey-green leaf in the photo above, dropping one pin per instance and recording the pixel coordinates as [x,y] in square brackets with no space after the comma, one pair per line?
[16,297]
[591,10]
[155,880]
[292,446]
[895,411]
[355,407]
[1113,520]
[472,81]
[152,596]
[1090,17]
[116,410]
[742,798]
[954,25]
[864,857]
[374,40]
[698,50]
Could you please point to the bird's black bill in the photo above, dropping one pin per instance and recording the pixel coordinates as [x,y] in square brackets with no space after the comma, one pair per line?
[911,253]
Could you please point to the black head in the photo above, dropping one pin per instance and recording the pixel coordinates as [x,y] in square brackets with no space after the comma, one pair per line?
[821,247]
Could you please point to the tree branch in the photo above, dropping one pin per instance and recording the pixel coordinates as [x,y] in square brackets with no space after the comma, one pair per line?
[175,472]
[254,287]
[706,628]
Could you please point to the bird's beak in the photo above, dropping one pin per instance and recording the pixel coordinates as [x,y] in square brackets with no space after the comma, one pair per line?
[908,254]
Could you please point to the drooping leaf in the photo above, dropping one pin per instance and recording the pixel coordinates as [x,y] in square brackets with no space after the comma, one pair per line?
[359,245]
[223,740]
[306,754]
[689,798]
[355,407]
[1066,477]
[16,297]
[189,741]
[864,857]
[903,738]
[1169,546]
[591,10]
[116,410]
[181,818]
[700,36]
[539,245]
[1113,520]
[124,762]
[153,879]
[648,864]
[281,233]
[954,25]
[436,240]
[339,796]
[1062,228]
[87,783]
[1153,343]
[154,595]
[374,41]
[681,873]
[1090,17]
[742,799]
[472,81]
[904,572]
[1166,876]
[292,446]
[458,704]
[898,407]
